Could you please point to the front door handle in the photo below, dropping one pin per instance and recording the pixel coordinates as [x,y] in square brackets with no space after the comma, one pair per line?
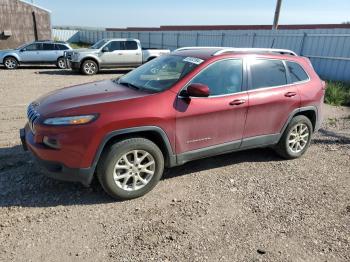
[237,102]
[290,94]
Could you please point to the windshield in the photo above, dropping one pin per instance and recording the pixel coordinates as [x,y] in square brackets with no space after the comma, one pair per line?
[98,44]
[161,73]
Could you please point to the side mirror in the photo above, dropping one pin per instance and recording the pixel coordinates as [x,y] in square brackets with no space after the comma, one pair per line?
[105,49]
[198,90]
[22,50]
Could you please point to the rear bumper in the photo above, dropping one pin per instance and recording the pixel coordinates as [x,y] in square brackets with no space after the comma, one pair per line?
[57,170]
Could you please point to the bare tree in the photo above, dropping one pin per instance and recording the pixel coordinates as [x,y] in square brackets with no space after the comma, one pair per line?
[346,23]
[277,15]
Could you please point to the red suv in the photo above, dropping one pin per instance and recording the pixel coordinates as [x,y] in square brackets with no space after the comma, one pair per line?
[190,104]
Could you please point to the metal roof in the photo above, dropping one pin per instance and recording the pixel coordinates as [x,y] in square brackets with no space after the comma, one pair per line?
[36,6]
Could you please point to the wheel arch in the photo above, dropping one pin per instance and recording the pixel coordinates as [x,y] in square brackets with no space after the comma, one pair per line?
[153,133]
[151,58]
[15,56]
[308,111]
[310,114]
[90,58]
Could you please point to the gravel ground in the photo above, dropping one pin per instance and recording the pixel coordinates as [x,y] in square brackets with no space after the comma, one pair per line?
[246,206]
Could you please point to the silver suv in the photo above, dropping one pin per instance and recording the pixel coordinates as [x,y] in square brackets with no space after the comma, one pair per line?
[38,52]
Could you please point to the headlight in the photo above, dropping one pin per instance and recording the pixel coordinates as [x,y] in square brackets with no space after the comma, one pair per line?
[70,120]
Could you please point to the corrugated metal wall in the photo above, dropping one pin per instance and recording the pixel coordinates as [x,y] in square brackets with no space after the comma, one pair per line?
[328,49]
[71,36]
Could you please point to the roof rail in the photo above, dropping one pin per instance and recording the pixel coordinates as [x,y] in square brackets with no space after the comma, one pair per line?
[258,50]
[197,48]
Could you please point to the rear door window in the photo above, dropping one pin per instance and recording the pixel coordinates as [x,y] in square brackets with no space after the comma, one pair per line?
[296,72]
[131,45]
[48,47]
[267,73]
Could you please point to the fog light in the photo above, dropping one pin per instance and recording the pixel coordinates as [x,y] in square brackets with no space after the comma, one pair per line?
[51,142]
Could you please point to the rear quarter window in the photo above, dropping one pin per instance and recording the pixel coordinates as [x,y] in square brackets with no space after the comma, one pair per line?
[61,47]
[296,72]
[267,73]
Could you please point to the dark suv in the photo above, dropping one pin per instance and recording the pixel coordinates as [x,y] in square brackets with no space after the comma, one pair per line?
[190,104]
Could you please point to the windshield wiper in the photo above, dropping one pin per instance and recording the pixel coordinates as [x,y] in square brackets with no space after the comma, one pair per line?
[129,85]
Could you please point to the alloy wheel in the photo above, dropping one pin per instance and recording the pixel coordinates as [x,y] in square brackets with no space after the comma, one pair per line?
[298,138]
[90,68]
[10,63]
[134,170]
[61,63]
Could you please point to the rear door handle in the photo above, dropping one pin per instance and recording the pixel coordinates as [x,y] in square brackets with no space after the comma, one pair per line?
[290,94]
[237,102]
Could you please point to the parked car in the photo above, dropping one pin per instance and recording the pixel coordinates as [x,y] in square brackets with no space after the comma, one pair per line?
[111,53]
[191,104]
[38,52]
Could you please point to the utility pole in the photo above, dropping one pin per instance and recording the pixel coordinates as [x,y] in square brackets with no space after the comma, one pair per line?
[277,15]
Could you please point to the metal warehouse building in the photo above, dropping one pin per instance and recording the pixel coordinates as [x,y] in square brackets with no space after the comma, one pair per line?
[22,22]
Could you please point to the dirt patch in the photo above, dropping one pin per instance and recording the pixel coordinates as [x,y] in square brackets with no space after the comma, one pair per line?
[245,206]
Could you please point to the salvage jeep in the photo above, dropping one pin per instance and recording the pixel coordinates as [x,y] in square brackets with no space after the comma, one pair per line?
[190,104]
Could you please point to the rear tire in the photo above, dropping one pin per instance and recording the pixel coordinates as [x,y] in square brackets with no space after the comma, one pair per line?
[10,63]
[89,67]
[130,168]
[296,138]
[61,63]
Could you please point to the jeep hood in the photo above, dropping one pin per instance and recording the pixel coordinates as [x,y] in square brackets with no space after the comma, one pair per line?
[89,94]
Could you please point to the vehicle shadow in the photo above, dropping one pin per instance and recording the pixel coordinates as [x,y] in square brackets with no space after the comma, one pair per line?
[252,155]
[71,72]
[23,183]
[35,67]
[339,138]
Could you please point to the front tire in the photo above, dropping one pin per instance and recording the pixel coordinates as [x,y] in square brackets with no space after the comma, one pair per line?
[10,63]
[130,168]
[89,67]
[296,138]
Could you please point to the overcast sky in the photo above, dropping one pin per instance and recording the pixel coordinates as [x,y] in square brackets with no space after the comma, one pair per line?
[144,13]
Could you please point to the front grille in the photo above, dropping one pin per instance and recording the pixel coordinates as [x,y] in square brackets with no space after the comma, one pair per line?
[33,116]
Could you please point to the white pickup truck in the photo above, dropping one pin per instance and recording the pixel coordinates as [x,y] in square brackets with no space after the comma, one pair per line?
[110,53]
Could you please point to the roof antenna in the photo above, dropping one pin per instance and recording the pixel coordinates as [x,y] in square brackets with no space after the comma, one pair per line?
[273,43]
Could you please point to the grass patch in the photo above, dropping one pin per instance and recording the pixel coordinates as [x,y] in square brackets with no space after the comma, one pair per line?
[79,45]
[337,94]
